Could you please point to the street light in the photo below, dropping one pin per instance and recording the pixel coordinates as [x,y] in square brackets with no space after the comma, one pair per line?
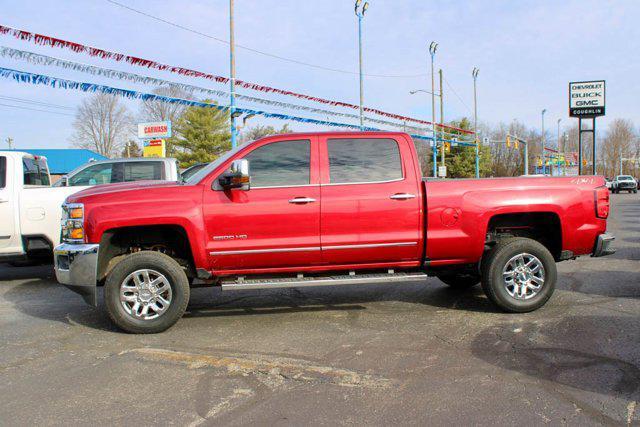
[360,11]
[544,165]
[432,51]
[413,92]
[474,74]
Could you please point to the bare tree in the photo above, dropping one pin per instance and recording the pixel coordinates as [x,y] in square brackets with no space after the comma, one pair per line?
[102,124]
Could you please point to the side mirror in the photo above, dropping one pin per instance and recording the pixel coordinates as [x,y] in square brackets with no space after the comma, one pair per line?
[237,176]
[64,181]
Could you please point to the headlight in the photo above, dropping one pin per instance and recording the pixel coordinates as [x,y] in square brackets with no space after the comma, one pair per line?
[73,222]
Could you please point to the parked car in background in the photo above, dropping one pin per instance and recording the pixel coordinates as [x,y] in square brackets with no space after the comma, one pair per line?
[319,209]
[122,170]
[191,170]
[609,183]
[29,208]
[625,183]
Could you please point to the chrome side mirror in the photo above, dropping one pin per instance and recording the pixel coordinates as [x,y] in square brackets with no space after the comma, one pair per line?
[237,177]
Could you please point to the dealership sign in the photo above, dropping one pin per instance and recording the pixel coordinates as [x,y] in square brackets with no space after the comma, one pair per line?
[587,99]
[154,130]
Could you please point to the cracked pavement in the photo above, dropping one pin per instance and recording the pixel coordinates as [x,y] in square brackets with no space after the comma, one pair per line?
[407,353]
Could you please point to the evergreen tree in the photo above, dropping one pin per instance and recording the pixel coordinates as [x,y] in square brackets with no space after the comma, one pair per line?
[203,135]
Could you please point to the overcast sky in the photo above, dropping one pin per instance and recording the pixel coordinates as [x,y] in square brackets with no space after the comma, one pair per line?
[527,52]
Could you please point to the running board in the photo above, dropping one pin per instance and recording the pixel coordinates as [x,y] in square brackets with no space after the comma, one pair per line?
[300,282]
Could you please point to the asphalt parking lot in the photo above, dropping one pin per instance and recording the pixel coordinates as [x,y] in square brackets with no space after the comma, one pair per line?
[415,353]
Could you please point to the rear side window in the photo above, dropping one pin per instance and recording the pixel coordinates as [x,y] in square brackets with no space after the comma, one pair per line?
[138,171]
[34,171]
[93,175]
[3,172]
[363,160]
[280,164]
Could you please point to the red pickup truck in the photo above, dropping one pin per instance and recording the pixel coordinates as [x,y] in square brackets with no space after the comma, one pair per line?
[316,209]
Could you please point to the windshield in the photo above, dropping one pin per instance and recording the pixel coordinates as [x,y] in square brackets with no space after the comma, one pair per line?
[202,173]
[625,178]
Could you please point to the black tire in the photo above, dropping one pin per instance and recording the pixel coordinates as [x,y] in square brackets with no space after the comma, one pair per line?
[494,285]
[157,262]
[460,280]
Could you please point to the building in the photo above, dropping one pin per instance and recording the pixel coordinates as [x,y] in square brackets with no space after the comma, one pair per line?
[63,160]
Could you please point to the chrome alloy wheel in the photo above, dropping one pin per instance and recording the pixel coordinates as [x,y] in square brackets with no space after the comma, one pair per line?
[145,294]
[523,276]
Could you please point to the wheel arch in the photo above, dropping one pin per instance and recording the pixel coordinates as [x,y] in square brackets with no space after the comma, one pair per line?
[171,239]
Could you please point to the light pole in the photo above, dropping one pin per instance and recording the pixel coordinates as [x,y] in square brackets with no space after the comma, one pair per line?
[360,11]
[474,73]
[559,120]
[232,80]
[544,163]
[432,51]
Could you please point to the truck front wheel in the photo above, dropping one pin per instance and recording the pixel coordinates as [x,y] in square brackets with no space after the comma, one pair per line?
[146,292]
[519,275]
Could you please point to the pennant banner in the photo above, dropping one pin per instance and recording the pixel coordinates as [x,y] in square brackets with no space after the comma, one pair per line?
[40,79]
[105,54]
[38,59]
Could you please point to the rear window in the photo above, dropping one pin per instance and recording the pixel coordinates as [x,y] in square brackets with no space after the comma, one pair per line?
[3,172]
[359,160]
[35,171]
[138,171]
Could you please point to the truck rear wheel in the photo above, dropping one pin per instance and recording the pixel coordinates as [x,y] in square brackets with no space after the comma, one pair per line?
[146,292]
[459,280]
[519,275]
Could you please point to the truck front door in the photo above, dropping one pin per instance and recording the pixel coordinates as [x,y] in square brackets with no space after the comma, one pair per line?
[7,203]
[277,222]
[370,209]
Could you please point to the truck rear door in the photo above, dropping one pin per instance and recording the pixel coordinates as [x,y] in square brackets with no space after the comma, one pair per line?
[370,211]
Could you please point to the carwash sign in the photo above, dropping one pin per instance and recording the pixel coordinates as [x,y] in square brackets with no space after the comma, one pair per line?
[154,130]
[586,99]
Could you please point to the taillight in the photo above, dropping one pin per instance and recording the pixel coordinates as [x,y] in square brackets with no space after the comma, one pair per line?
[602,202]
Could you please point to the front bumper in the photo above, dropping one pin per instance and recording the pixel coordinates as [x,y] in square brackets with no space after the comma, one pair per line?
[603,245]
[76,267]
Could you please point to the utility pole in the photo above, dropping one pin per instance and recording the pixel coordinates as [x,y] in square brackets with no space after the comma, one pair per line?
[10,142]
[441,117]
[232,80]
[474,73]
[432,51]
[360,14]
[544,162]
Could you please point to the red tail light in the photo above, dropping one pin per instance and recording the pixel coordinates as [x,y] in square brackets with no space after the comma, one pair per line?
[602,202]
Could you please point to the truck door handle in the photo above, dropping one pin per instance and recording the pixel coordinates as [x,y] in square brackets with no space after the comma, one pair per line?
[402,196]
[302,200]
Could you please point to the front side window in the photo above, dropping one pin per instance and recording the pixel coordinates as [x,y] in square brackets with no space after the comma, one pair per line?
[139,171]
[280,164]
[357,160]
[3,172]
[34,171]
[93,175]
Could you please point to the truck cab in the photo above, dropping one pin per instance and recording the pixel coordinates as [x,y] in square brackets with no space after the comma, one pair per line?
[29,208]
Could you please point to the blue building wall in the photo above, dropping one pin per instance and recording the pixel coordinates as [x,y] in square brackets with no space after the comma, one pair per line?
[63,161]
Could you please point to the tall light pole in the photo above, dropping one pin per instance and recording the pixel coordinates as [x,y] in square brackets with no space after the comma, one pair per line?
[559,120]
[474,73]
[544,163]
[441,118]
[432,51]
[232,80]
[360,11]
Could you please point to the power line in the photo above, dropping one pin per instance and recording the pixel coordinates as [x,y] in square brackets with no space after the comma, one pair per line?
[38,103]
[35,109]
[456,94]
[250,49]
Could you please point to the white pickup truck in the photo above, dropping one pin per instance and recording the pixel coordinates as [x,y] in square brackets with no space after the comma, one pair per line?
[30,211]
